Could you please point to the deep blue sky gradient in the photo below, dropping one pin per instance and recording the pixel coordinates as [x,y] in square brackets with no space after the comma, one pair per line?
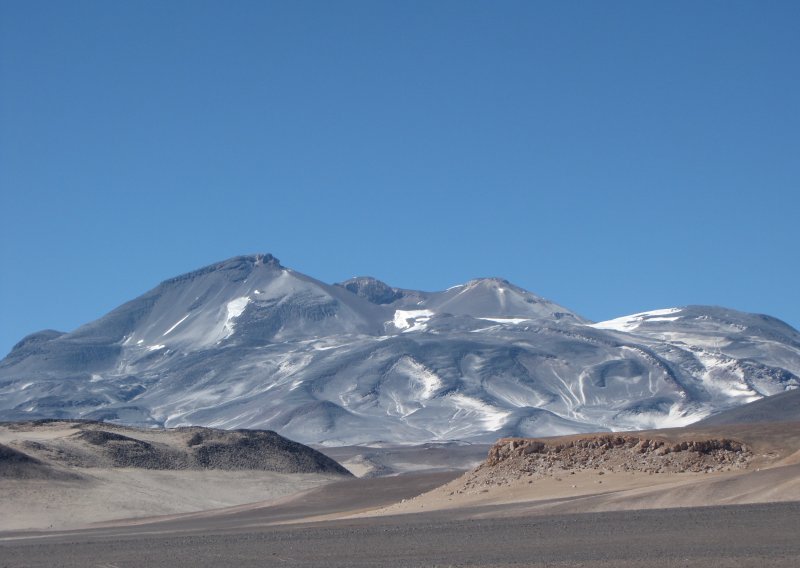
[611,156]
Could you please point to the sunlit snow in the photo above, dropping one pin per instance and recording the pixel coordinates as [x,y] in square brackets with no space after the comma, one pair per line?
[677,417]
[631,322]
[492,417]
[234,309]
[412,320]
[514,321]
[420,374]
[179,322]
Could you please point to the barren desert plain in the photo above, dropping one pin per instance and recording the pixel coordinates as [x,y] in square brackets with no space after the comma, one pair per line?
[78,493]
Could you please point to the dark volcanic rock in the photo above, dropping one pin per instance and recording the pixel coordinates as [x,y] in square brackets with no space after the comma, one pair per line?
[372,289]
[96,444]
[123,451]
[15,464]
[255,449]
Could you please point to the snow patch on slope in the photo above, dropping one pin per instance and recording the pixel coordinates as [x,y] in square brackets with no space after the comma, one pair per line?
[676,417]
[492,417]
[179,322]
[632,322]
[412,320]
[725,376]
[421,375]
[513,321]
[234,309]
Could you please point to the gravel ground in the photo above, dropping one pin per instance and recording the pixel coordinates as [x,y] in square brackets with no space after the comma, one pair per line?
[734,536]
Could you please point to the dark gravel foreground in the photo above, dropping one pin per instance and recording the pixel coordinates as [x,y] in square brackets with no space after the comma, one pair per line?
[733,536]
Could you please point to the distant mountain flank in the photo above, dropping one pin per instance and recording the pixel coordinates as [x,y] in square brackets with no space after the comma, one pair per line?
[250,343]
[784,407]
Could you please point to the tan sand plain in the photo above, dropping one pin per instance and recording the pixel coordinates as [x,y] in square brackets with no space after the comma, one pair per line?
[96,494]
[772,474]
[112,494]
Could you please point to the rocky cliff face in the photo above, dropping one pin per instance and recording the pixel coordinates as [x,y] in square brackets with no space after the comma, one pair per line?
[619,452]
[512,461]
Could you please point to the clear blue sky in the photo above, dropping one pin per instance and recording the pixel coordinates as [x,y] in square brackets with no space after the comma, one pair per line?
[611,156]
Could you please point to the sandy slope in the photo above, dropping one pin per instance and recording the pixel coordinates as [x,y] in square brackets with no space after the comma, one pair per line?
[69,474]
[772,474]
[108,494]
[393,459]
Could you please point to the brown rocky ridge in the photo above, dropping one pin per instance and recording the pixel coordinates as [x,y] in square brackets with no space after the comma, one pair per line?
[513,459]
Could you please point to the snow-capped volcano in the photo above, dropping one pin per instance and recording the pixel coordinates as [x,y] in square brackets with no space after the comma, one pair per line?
[249,343]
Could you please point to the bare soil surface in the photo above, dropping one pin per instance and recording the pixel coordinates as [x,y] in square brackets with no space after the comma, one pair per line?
[66,474]
[685,467]
[731,537]
[392,459]
[725,496]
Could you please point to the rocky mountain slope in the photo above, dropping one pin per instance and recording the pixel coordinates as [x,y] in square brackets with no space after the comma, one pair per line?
[57,449]
[784,407]
[249,343]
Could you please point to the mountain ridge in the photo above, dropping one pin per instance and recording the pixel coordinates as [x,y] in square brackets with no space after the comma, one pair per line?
[250,343]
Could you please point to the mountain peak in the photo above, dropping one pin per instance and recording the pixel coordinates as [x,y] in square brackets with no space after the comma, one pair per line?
[491,282]
[371,289]
[242,264]
[497,297]
[246,343]
[267,258]
[251,260]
